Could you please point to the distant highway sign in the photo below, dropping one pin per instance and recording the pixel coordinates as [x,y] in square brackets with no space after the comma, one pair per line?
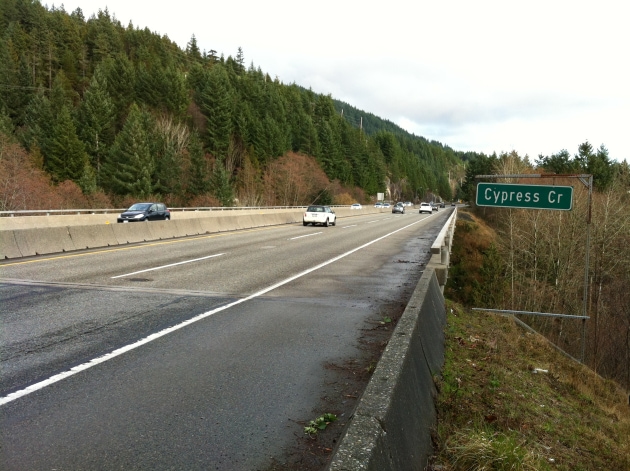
[509,195]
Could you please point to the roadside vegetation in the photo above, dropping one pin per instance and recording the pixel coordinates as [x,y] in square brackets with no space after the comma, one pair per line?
[509,399]
[535,260]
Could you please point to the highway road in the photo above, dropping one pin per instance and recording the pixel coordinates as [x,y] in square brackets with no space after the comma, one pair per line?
[207,352]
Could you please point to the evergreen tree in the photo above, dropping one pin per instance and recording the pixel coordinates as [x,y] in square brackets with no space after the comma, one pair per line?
[559,163]
[192,50]
[168,172]
[38,123]
[129,165]
[62,95]
[97,117]
[196,80]
[6,126]
[174,92]
[480,165]
[326,149]
[7,77]
[147,85]
[240,61]
[119,75]
[87,182]
[216,105]
[221,187]
[65,158]
[198,182]
[305,137]
[24,93]
[600,166]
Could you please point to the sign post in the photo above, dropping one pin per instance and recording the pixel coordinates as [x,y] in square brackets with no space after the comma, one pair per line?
[509,195]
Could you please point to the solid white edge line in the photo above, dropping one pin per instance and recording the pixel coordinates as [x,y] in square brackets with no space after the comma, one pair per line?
[108,356]
[167,266]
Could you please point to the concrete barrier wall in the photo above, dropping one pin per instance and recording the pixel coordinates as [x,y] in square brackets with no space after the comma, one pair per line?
[46,239]
[163,230]
[391,427]
[216,224]
[90,237]
[8,245]
[31,222]
[132,232]
[43,241]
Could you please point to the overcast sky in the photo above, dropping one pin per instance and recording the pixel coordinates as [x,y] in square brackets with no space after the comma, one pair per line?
[487,76]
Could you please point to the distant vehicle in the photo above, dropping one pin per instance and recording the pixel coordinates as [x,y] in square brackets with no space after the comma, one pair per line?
[453,203]
[434,206]
[442,205]
[386,205]
[355,206]
[408,203]
[319,215]
[425,208]
[398,208]
[145,212]
[378,205]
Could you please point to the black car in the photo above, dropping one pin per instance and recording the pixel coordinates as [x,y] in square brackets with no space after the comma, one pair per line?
[145,212]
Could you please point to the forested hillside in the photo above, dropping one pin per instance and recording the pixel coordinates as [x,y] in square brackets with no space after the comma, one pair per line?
[96,113]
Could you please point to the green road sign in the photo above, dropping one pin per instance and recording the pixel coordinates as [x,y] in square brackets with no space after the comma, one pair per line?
[509,195]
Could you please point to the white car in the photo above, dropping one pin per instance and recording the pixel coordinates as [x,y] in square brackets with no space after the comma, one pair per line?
[426,208]
[319,215]
[355,206]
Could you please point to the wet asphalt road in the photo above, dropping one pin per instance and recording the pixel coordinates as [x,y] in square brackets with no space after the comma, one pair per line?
[266,310]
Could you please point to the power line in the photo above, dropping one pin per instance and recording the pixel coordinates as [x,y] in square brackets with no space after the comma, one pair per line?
[21,87]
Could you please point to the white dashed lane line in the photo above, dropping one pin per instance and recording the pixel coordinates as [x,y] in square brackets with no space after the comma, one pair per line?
[307,235]
[169,265]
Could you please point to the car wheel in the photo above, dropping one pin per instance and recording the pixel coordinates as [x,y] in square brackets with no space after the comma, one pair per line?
[305,223]
[326,223]
[167,218]
[334,223]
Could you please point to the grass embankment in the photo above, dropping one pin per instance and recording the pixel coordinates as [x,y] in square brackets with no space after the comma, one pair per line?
[508,400]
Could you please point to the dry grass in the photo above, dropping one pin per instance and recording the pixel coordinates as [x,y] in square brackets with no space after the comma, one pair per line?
[510,401]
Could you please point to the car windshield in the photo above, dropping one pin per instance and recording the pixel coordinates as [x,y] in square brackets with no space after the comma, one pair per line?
[139,207]
[315,209]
